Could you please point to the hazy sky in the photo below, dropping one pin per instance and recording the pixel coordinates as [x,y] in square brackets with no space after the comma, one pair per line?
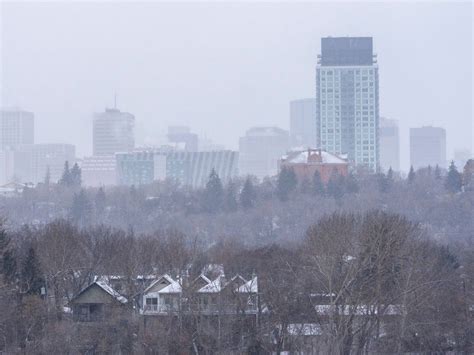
[224,67]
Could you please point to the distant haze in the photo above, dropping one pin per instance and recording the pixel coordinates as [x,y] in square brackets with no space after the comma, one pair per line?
[224,67]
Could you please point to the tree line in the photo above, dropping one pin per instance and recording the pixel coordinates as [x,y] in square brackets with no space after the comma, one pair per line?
[388,286]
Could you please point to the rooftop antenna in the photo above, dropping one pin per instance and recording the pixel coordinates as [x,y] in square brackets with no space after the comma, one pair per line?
[115,100]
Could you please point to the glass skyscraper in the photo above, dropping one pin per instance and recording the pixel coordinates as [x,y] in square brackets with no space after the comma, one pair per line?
[347,99]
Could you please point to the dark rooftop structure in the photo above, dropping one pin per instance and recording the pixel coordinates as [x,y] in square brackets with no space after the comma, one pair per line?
[346,51]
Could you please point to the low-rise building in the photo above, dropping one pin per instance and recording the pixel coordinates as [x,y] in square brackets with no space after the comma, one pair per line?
[97,302]
[99,170]
[305,163]
[188,168]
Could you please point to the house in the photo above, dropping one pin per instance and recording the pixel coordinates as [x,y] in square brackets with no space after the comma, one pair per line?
[96,302]
[306,162]
[204,296]
[163,296]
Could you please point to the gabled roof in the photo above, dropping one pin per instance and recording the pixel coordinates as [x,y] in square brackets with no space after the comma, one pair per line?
[250,286]
[173,285]
[213,286]
[313,156]
[105,287]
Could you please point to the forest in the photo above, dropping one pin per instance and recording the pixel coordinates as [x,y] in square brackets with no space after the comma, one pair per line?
[368,263]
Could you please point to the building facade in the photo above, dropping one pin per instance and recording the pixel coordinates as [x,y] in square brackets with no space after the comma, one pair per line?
[389,144]
[427,147]
[181,135]
[347,99]
[113,131]
[16,127]
[99,170]
[302,119]
[188,168]
[33,161]
[307,162]
[7,166]
[261,149]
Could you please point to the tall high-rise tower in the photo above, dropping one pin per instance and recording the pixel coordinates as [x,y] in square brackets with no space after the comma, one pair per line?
[113,132]
[427,147]
[16,127]
[302,128]
[389,144]
[347,99]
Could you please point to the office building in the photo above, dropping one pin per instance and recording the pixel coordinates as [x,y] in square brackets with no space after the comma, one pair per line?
[260,150]
[32,161]
[389,144]
[303,123]
[99,170]
[7,166]
[347,99]
[427,147]
[16,127]
[182,138]
[188,168]
[113,131]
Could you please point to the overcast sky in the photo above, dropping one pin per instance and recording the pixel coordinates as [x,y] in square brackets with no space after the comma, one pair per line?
[224,67]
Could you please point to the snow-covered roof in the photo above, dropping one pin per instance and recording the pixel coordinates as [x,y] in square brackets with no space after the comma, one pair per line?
[250,286]
[304,329]
[359,310]
[107,288]
[306,157]
[213,286]
[173,287]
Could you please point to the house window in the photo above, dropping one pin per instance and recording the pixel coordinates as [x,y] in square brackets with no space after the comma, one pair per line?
[151,304]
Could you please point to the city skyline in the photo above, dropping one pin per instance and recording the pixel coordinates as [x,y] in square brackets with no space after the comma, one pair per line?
[202,93]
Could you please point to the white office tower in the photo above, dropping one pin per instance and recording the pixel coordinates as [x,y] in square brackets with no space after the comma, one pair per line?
[347,100]
[16,127]
[389,144]
[303,123]
[113,131]
[260,150]
[427,147]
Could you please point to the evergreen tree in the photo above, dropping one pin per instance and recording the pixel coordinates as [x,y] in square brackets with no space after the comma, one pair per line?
[248,194]
[31,276]
[318,187]
[437,172]
[429,170]
[305,186]
[383,182]
[453,182]
[230,199]
[76,176]
[213,197]
[352,186]
[100,201]
[47,177]
[7,258]
[286,183]
[390,175]
[66,179]
[411,175]
[80,209]
[335,186]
